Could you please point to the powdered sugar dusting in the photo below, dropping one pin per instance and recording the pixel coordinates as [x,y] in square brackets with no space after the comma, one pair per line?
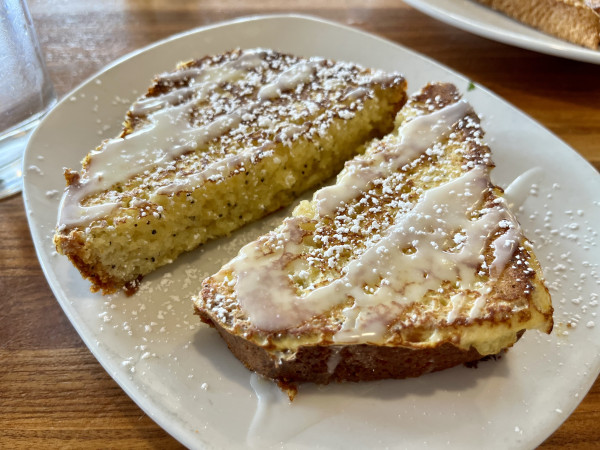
[567,278]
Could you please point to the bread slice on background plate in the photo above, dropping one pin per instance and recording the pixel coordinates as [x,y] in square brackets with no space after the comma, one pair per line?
[411,263]
[217,143]
[576,21]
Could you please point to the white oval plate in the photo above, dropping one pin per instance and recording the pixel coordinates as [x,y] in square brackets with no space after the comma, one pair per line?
[483,21]
[182,374]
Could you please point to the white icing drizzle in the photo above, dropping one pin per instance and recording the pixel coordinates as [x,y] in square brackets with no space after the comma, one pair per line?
[457,300]
[357,93]
[515,195]
[122,158]
[148,105]
[506,244]
[334,359]
[478,305]
[517,192]
[415,136]
[384,279]
[298,74]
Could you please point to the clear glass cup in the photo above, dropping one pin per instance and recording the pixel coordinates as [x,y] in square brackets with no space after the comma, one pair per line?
[26,91]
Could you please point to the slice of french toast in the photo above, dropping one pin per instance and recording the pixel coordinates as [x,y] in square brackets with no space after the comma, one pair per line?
[576,21]
[411,263]
[213,145]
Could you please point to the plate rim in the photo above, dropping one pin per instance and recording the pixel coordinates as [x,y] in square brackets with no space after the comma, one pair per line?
[541,43]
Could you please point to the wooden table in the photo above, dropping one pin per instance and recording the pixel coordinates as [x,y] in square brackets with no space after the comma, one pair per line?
[53,393]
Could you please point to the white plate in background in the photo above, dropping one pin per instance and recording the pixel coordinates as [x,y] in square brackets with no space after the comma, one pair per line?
[181,373]
[478,19]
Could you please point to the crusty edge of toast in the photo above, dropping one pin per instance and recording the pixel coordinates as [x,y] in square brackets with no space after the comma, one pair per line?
[323,364]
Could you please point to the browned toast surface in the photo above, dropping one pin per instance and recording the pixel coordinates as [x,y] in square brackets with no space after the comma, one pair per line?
[412,262]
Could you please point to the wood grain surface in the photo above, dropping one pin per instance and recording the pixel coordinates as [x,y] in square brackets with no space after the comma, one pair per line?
[53,393]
